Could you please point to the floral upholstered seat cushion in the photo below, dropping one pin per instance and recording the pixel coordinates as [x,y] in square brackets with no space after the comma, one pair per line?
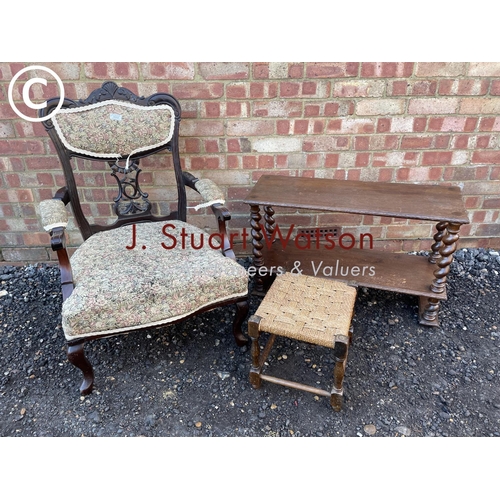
[118,289]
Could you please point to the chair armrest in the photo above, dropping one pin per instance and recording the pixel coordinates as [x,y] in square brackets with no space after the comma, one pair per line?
[54,220]
[208,189]
[213,198]
[53,214]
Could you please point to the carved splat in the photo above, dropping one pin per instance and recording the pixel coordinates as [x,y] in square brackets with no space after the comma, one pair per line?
[131,199]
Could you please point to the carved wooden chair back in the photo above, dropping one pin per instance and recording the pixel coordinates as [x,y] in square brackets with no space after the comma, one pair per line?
[116,126]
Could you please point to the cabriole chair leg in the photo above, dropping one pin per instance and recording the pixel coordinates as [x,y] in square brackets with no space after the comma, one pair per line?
[76,356]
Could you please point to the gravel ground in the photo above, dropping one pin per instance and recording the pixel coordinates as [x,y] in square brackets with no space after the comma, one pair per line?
[190,379]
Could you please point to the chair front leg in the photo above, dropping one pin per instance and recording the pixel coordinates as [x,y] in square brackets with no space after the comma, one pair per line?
[241,314]
[76,356]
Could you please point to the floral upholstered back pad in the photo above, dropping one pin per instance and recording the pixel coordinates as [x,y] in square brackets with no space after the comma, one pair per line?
[113,129]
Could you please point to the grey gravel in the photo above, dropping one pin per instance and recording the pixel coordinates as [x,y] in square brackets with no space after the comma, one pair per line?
[190,379]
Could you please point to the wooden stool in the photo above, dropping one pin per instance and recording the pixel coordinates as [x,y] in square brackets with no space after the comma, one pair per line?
[309,309]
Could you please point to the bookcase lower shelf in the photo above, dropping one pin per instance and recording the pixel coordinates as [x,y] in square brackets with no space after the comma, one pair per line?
[397,272]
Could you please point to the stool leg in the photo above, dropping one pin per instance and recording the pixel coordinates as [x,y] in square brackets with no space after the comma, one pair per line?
[254,333]
[340,354]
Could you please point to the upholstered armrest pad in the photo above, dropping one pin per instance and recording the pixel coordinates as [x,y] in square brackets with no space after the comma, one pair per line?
[53,214]
[210,193]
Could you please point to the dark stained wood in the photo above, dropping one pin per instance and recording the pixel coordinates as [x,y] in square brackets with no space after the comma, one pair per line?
[241,313]
[132,213]
[76,356]
[395,272]
[340,354]
[259,358]
[412,201]
[398,272]
[428,308]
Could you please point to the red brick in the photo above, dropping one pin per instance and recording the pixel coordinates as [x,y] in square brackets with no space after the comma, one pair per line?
[260,90]
[399,88]
[198,90]
[386,69]
[471,202]
[332,160]
[205,162]
[473,87]
[324,143]
[265,161]
[113,71]
[318,126]
[233,161]
[495,87]
[13,180]
[442,141]
[489,124]
[190,145]
[16,195]
[486,157]
[488,230]
[281,161]
[260,70]
[314,161]
[16,147]
[412,142]
[463,87]
[331,109]
[436,158]
[385,174]
[238,90]
[334,126]
[233,146]
[295,70]
[283,127]
[419,124]
[249,162]
[460,142]
[331,70]
[224,70]
[309,88]
[311,110]
[362,160]
[427,87]
[212,146]
[289,89]
[45,179]
[168,70]
[495,173]
[362,143]
[470,124]
[483,141]
[353,174]
[300,126]
[489,202]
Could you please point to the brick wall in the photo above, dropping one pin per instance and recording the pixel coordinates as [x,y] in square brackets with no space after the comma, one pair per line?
[390,122]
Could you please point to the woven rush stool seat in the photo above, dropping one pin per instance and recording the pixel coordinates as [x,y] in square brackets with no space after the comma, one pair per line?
[308,309]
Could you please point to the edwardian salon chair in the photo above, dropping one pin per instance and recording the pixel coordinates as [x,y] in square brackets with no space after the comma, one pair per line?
[133,274]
